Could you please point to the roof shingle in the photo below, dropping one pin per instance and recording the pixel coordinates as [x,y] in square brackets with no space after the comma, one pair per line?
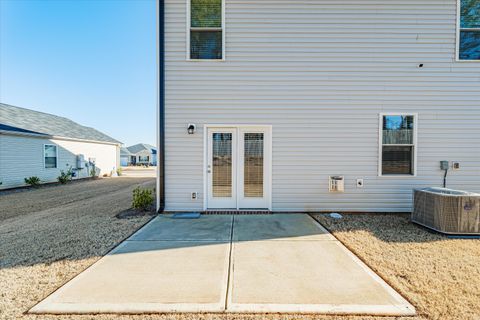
[22,120]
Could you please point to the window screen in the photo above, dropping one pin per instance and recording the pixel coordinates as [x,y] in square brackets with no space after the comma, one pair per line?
[398,148]
[469,41]
[206,29]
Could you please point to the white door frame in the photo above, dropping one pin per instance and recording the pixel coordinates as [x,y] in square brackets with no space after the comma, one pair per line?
[267,156]
[223,202]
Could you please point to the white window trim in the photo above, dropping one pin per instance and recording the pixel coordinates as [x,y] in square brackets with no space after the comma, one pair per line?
[380,144]
[56,154]
[458,29]
[188,24]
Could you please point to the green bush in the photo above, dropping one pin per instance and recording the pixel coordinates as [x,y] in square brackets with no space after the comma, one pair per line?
[33,181]
[64,177]
[93,172]
[119,171]
[142,198]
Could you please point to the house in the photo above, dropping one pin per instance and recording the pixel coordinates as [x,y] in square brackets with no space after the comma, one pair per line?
[319,105]
[125,157]
[142,154]
[39,144]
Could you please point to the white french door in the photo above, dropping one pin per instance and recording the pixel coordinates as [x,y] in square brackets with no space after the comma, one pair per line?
[238,167]
[221,168]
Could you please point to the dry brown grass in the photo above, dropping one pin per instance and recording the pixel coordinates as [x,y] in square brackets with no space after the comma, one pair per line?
[438,275]
[48,236]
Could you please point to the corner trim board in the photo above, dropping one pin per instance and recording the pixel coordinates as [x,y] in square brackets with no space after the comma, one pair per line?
[161,108]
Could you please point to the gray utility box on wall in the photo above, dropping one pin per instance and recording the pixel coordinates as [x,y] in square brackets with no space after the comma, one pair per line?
[447,211]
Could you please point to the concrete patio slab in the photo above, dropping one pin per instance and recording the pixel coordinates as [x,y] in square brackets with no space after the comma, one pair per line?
[205,228]
[146,277]
[287,226]
[271,263]
[307,277]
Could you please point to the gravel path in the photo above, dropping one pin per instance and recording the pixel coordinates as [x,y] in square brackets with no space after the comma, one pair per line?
[23,201]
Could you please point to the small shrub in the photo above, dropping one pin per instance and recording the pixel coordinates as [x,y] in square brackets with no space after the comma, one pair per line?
[33,181]
[142,198]
[64,177]
[93,172]
[119,172]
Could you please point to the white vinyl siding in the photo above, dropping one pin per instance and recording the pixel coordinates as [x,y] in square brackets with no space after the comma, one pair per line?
[320,72]
[25,158]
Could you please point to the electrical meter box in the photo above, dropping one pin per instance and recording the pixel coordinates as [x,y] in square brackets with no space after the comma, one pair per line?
[444,165]
[80,161]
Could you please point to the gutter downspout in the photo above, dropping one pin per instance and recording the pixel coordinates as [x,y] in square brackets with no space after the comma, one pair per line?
[161,107]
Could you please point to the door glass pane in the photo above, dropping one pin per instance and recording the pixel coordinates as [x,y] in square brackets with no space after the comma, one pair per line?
[253,167]
[222,164]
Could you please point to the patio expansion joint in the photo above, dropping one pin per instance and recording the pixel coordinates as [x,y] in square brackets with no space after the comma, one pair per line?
[230,264]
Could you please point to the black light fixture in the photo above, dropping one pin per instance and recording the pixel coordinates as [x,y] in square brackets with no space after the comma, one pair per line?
[191,128]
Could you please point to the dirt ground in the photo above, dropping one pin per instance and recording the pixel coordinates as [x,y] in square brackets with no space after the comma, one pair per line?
[49,235]
[438,275]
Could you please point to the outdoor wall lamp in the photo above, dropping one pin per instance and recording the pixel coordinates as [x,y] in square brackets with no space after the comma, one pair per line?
[191,128]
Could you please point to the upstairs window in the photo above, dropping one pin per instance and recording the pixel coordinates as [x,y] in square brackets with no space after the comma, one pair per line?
[206,30]
[398,144]
[469,30]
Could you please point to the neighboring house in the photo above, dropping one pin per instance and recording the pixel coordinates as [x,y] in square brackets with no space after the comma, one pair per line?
[282,95]
[142,154]
[125,156]
[39,144]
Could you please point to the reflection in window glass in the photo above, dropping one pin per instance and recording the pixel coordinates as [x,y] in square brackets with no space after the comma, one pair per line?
[50,156]
[469,41]
[206,45]
[206,13]
[470,45]
[206,32]
[470,14]
[398,144]
[397,160]
[398,130]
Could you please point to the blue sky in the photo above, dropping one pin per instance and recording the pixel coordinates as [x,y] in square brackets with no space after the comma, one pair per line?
[91,61]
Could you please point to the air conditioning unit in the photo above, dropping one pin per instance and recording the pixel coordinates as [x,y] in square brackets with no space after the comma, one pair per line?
[80,161]
[336,184]
[447,211]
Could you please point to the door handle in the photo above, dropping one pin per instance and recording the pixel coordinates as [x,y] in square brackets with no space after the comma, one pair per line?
[209,169]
